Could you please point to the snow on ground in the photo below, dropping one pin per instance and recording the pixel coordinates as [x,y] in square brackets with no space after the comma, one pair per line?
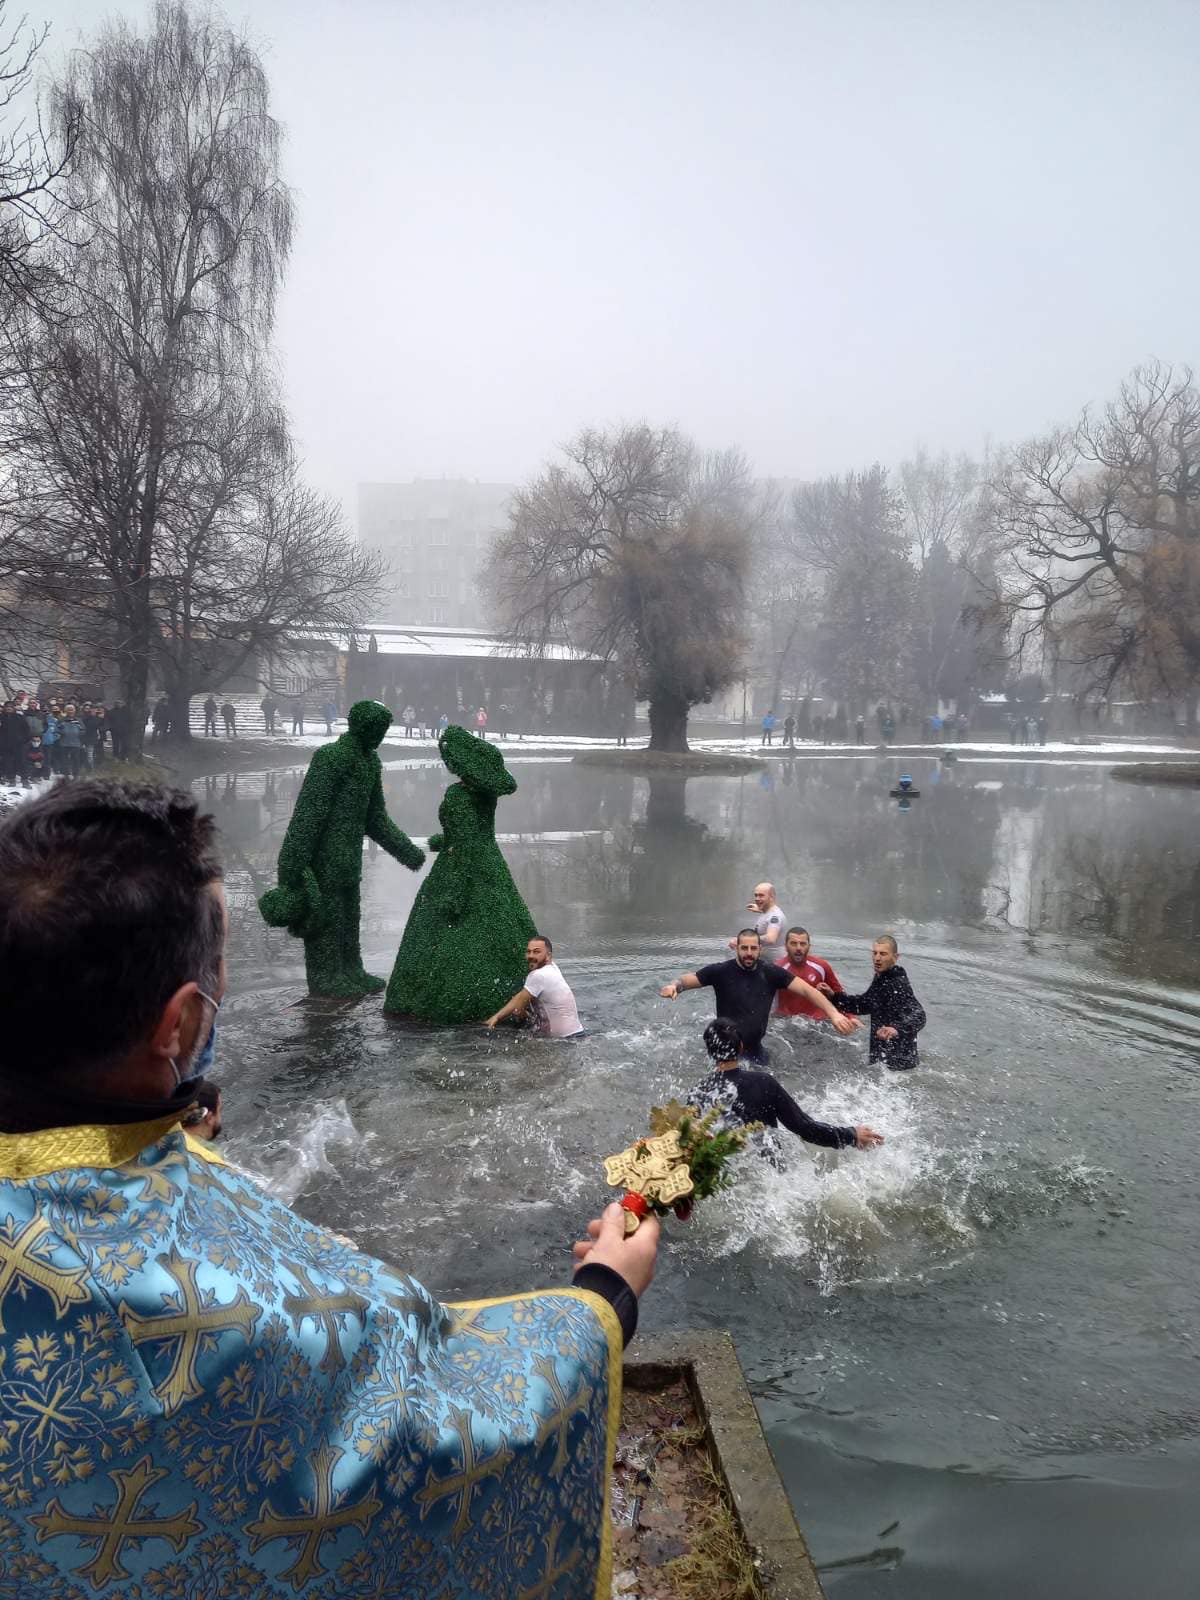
[967,747]
[12,794]
[750,745]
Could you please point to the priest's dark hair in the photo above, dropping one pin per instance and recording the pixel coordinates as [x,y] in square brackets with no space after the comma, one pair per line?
[102,899]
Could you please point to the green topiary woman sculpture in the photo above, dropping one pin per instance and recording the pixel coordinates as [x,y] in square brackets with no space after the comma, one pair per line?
[463,951]
[320,862]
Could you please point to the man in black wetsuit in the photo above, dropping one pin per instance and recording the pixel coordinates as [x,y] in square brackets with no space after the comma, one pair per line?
[897,1016]
[742,1096]
[745,990]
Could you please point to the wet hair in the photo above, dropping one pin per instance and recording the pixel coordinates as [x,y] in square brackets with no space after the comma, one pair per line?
[208,1096]
[888,939]
[722,1040]
[751,933]
[103,886]
[791,931]
[540,938]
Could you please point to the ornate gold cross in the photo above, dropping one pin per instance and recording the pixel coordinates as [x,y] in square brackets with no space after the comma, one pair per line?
[467,1321]
[326,1309]
[553,1570]
[565,1411]
[66,1286]
[109,1533]
[188,1328]
[314,1526]
[206,1176]
[461,1485]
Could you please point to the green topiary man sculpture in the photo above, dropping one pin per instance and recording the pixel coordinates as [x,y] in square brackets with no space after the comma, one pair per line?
[463,951]
[320,862]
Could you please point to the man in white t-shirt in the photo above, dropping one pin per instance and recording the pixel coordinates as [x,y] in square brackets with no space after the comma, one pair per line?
[546,997]
[770,921]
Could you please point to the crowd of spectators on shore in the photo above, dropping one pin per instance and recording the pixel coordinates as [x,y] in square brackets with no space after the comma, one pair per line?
[58,738]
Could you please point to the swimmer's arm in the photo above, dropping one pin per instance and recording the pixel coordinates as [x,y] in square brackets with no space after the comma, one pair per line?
[841,1023]
[798,1121]
[688,981]
[516,1007]
[912,1013]
[855,1004]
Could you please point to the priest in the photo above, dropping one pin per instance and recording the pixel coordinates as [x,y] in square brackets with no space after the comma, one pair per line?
[200,1392]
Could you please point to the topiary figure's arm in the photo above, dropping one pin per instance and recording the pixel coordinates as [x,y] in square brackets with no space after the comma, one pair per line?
[384,831]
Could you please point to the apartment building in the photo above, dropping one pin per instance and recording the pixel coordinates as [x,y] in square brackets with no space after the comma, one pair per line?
[435,532]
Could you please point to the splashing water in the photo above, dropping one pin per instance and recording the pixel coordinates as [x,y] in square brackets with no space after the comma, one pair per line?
[287,1164]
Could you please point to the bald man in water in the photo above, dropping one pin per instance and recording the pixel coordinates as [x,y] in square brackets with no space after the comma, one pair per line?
[770,921]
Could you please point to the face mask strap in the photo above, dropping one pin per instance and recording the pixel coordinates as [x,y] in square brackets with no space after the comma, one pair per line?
[180,1080]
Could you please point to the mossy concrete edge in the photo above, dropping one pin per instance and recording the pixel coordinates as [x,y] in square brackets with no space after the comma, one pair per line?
[709,1362]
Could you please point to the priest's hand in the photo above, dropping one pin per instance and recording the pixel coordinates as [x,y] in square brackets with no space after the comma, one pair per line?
[866,1138]
[886,1033]
[632,1256]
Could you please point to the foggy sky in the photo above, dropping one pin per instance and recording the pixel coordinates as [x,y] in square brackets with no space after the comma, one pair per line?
[825,232]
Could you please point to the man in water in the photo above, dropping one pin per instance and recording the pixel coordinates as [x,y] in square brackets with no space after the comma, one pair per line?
[203,1121]
[742,1096]
[801,963]
[745,990]
[546,997]
[770,919]
[248,1405]
[897,1016]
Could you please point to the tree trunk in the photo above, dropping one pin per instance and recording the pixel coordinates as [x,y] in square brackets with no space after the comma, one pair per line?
[777,686]
[666,803]
[668,724]
[136,683]
[180,725]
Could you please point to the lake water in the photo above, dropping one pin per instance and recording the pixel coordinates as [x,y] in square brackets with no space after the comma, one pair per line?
[975,1350]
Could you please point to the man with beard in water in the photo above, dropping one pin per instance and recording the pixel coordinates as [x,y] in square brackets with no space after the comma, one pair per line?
[801,963]
[546,1000]
[742,1096]
[897,1016]
[746,989]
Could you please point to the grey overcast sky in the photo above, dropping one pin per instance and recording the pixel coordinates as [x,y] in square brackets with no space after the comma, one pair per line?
[824,230]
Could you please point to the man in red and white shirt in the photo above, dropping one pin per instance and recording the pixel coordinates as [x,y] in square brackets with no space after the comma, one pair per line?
[802,964]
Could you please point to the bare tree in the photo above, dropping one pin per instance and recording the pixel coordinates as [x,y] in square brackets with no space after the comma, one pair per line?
[956,645]
[33,162]
[784,595]
[153,491]
[1101,538]
[848,530]
[635,549]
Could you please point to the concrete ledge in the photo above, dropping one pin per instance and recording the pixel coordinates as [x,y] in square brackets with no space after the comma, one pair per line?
[709,1363]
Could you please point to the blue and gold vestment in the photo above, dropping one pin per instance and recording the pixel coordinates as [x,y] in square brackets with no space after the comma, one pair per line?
[203,1397]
